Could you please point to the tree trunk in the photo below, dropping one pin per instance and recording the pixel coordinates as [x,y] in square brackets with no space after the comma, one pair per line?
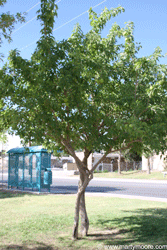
[148,166]
[76,216]
[84,217]
[80,208]
[119,163]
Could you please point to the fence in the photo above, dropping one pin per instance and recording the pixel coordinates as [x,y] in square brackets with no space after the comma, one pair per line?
[105,167]
[125,166]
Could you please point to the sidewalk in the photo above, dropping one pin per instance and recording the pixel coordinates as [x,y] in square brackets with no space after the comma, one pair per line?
[132,180]
[69,175]
[124,196]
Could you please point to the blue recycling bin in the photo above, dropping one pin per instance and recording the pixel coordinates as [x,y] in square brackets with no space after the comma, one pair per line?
[47,177]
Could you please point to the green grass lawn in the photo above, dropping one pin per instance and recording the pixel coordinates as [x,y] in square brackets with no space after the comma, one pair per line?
[136,174]
[45,222]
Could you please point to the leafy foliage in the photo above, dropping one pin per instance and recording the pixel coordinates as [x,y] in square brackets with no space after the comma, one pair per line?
[3,137]
[131,155]
[88,92]
[7,22]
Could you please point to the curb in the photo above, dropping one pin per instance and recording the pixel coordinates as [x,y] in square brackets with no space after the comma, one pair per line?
[126,197]
[132,180]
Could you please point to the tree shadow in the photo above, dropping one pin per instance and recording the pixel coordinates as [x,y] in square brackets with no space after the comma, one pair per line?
[106,234]
[74,189]
[35,246]
[11,194]
[132,172]
[144,226]
[14,192]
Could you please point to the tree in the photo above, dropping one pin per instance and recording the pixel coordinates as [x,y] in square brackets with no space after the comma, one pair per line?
[7,22]
[131,155]
[88,92]
[119,163]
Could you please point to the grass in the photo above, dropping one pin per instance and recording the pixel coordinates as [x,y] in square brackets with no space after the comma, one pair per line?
[136,174]
[45,222]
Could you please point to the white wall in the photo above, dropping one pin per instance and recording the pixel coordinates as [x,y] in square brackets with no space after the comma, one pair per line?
[156,162]
[80,155]
[144,163]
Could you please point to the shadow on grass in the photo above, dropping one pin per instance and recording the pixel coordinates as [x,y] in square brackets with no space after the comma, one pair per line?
[37,246]
[10,194]
[134,172]
[144,226]
[55,190]
[131,173]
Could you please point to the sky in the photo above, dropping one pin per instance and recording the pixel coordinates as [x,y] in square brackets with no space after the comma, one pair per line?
[13,141]
[149,17]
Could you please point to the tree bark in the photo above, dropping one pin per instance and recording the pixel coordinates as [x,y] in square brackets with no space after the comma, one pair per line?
[83,213]
[119,163]
[80,208]
[84,217]
[148,166]
[76,216]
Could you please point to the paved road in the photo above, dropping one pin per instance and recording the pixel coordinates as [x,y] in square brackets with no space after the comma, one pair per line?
[116,186]
[144,188]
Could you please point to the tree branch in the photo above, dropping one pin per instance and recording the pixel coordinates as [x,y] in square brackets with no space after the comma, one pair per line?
[86,155]
[82,167]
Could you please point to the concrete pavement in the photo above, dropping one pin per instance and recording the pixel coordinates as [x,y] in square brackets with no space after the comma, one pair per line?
[132,197]
[69,176]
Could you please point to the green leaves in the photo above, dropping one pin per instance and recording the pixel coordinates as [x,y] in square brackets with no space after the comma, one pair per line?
[88,92]
[98,23]
[7,22]
[47,13]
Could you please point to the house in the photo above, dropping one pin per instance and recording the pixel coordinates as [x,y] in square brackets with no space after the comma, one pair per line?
[155,162]
[57,162]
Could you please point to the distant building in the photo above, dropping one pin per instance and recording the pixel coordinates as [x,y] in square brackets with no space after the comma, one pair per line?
[155,162]
[110,163]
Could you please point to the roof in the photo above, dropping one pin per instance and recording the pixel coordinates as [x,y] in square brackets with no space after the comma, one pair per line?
[111,155]
[22,150]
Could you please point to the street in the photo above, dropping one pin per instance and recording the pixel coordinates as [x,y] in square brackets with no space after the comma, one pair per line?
[116,186]
[68,185]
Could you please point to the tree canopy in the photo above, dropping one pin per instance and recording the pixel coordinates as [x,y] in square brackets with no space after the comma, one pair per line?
[87,92]
[7,22]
